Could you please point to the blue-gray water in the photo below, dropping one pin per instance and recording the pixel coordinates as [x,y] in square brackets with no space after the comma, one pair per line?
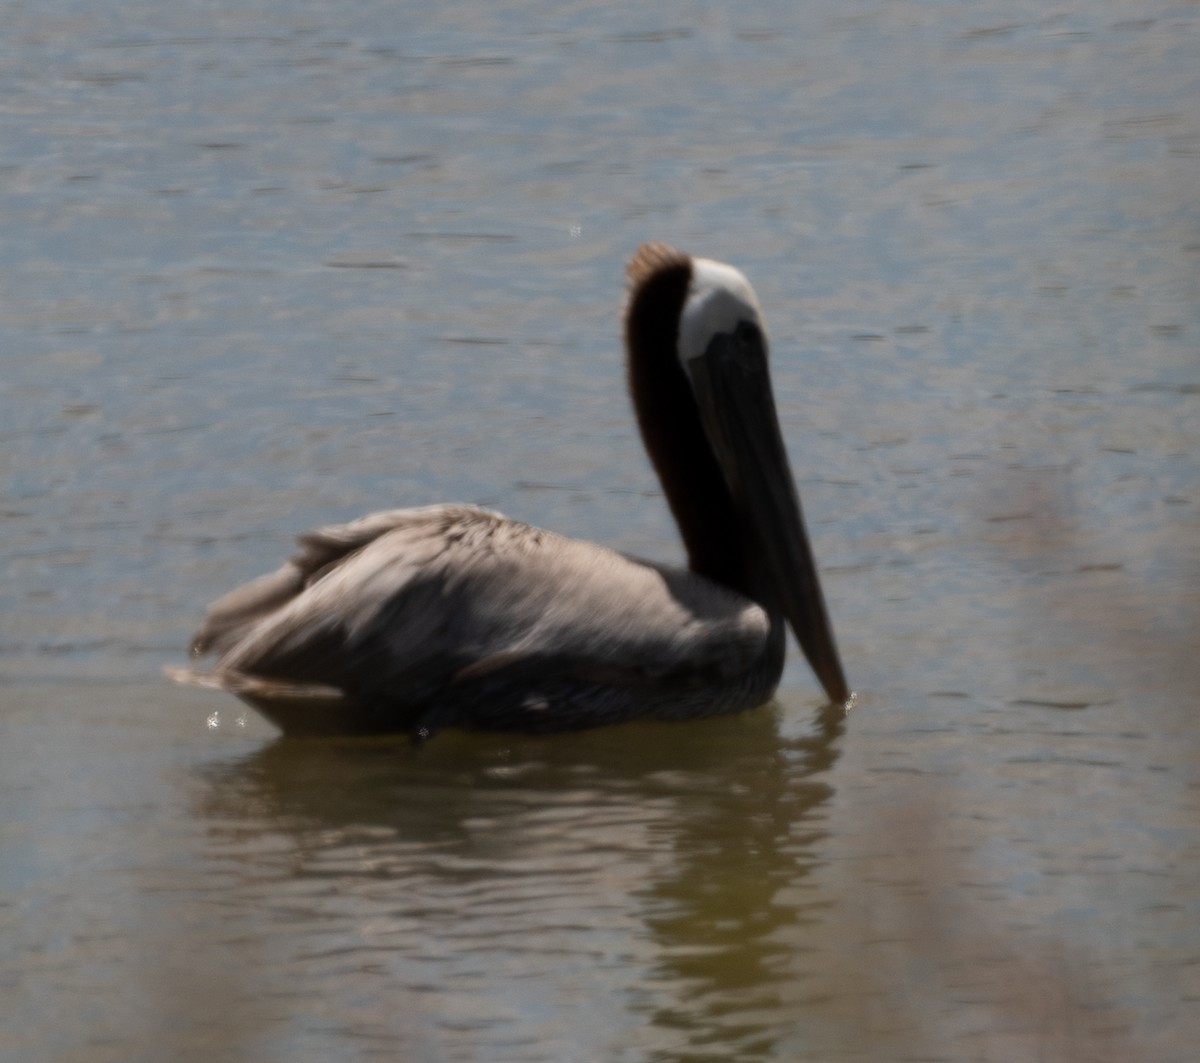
[269,265]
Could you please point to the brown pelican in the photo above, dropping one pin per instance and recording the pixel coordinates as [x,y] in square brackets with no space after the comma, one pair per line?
[454,616]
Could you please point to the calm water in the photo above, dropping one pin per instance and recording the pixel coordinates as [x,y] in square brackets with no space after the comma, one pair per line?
[270,265]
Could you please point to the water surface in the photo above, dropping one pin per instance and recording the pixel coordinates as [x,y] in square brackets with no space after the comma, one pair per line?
[275,266]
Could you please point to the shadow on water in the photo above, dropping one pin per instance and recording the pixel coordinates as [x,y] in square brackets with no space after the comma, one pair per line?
[657,854]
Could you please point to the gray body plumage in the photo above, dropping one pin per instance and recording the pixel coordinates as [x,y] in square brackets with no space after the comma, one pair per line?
[450,615]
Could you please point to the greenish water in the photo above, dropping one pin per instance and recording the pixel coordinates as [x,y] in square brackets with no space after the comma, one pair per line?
[272,266]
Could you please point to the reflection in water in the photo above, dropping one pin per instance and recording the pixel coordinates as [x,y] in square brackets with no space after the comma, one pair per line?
[718,917]
[526,859]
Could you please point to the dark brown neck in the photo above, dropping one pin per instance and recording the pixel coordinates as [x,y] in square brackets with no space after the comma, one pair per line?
[671,430]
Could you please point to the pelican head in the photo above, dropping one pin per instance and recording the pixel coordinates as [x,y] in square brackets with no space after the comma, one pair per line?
[701,386]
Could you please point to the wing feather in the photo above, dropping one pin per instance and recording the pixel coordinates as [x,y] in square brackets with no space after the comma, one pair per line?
[408,605]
